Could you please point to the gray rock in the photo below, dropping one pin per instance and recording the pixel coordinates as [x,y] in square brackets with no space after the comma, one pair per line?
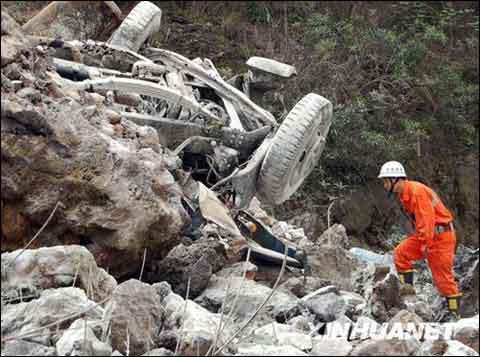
[51,306]
[334,264]
[281,335]
[390,347]
[134,309]
[195,326]
[301,287]
[423,310]
[466,331]
[55,267]
[330,347]
[386,299]
[26,348]
[163,289]
[237,269]
[268,350]
[364,328]
[409,322]
[336,236]
[79,340]
[326,307]
[10,26]
[196,262]
[159,352]
[467,269]
[356,210]
[117,196]
[353,303]
[445,348]
[302,323]
[280,307]
[70,22]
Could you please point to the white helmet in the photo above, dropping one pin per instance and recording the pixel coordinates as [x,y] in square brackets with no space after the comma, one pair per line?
[392,169]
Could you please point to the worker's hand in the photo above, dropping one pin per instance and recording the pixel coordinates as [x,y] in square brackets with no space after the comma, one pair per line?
[424,250]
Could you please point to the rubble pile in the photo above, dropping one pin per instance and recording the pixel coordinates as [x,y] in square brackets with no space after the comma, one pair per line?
[135,255]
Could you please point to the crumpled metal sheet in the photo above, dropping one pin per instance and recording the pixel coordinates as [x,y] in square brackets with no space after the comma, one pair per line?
[214,210]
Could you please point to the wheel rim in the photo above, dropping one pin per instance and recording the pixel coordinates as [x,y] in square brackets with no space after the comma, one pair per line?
[307,158]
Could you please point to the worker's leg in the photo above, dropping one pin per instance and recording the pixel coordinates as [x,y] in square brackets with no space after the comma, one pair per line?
[406,252]
[441,257]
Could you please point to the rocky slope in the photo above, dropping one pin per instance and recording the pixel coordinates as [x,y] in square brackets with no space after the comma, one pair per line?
[103,194]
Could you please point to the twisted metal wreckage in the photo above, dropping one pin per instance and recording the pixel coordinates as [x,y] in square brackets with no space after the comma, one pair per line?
[232,145]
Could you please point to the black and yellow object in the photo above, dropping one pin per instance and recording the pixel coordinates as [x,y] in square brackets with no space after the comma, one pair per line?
[453,305]
[406,277]
[260,233]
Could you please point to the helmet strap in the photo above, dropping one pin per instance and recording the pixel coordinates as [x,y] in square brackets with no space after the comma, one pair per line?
[393,182]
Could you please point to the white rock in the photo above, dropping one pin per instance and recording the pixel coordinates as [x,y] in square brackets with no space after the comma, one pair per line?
[269,350]
[449,348]
[456,348]
[250,295]
[195,324]
[281,334]
[78,335]
[54,267]
[51,306]
[330,347]
[467,322]
[363,328]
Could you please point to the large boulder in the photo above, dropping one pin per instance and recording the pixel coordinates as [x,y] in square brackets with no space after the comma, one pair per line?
[335,235]
[134,310]
[72,20]
[61,305]
[14,43]
[335,264]
[54,267]
[356,210]
[109,183]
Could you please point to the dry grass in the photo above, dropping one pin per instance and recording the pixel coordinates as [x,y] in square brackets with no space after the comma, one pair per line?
[252,318]
[37,234]
[40,331]
[180,340]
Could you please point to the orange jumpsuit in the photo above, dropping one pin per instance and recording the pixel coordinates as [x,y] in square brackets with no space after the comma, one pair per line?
[422,203]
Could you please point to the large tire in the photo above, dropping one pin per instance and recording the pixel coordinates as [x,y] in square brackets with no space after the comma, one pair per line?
[295,149]
[143,21]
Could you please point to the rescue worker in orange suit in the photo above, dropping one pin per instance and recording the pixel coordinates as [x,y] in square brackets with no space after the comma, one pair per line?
[434,237]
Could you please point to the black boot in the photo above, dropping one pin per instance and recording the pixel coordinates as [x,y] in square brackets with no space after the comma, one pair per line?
[406,277]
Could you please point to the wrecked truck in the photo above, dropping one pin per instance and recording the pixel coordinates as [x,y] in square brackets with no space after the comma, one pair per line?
[227,143]
[225,140]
